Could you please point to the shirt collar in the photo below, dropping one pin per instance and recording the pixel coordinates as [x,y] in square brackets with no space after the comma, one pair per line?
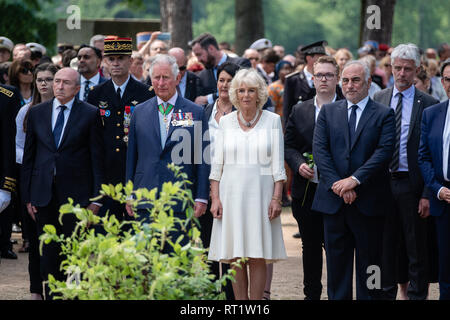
[307,74]
[123,86]
[171,100]
[222,60]
[69,104]
[315,100]
[95,79]
[408,93]
[183,79]
[361,104]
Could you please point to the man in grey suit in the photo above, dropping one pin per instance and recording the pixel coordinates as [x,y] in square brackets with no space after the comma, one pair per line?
[405,234]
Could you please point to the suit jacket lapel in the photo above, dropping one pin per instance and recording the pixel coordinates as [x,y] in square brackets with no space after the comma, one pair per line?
[47,116]
[129,90]
[310,121]
[365,116]
[343,118]
[440,127]
[417,107]
[154,118]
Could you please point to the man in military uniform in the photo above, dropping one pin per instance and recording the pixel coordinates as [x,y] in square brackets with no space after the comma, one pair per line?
[9,104]
[299,85]
[116,99]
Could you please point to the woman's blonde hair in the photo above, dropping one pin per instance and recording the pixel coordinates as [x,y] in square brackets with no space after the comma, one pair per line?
[251,78]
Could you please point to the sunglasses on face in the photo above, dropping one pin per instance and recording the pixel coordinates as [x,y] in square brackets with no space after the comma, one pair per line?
[25,70]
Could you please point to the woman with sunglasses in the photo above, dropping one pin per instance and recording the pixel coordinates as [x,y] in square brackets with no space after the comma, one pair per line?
[21,76]
[43,79]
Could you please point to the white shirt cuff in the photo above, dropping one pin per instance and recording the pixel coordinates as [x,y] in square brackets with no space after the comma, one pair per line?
[356,179]
[202,200]
[439,191]
[210,98]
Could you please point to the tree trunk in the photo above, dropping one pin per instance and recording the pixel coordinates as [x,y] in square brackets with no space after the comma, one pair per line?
[377,18]
[176,18]
[249,23]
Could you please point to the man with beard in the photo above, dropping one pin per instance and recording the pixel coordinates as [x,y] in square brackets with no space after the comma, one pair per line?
[89,60]
[207,51]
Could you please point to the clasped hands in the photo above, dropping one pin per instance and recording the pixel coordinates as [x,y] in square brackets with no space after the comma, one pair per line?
[344,188]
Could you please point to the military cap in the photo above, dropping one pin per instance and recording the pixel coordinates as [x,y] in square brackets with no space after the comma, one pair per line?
[261,44]
[5,43]
[36,47]
[315,48]
[115,45]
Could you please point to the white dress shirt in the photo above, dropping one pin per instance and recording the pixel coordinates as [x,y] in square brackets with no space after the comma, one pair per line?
[20,134]
[361,106]
[122,87]
[309,77]
[55,113]
[92,82]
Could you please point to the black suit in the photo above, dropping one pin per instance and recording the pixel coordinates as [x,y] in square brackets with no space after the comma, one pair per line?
[356,228]
[297,90]
[51,174]
[9,105]
[298,140]
[405,252]
[208,81]
[112,110]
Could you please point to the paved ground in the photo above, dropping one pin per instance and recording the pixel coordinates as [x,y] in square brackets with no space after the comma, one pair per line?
[287,281]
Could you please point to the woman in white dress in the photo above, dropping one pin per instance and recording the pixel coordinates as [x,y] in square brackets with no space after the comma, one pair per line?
[247,175]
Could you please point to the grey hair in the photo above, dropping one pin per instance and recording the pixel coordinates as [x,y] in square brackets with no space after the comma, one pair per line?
[97,37]
[164,59]
[406,51]
[362,64]
[251,78]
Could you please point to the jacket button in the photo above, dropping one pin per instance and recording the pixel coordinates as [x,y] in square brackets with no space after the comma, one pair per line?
[118,112]
[118,124]
[117,137]
[117,149]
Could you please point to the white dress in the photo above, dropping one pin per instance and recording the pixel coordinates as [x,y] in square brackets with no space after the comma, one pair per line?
[247,164]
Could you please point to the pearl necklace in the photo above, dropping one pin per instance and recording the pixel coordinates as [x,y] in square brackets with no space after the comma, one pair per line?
[248,124]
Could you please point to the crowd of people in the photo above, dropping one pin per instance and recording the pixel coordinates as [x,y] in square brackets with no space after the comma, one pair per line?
[358,148]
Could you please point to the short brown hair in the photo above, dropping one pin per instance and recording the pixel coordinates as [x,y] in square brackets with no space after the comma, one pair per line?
[327,59]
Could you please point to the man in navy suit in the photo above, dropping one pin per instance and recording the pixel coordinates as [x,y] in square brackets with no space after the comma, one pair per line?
[156,127]
[352,146]
[89,61]
[434,160]
[63,157]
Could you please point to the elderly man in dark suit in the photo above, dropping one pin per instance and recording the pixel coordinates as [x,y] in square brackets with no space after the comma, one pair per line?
[207,51]
[434,162]
[352,146]
[63,157]
[298,140]
[155,130]
[405,256]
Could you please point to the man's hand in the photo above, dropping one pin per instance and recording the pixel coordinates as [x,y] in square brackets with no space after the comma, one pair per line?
[342,186]
[216,208]
[349,196]
[444,194]
[201,100]
[129,208]
[424,208]
[31,211]
[305,171]
[94,208]
[199,209]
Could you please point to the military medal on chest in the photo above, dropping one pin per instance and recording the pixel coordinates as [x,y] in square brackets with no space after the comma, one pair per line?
[126,122]
[182,119]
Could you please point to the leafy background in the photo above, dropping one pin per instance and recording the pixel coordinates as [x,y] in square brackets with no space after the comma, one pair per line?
[287,22]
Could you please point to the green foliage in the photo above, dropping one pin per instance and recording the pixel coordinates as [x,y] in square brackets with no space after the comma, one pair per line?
[21,25]
[131,265]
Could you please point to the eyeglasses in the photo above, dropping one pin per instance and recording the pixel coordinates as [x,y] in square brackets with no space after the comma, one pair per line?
[328,76]
[25,70]
[46,80]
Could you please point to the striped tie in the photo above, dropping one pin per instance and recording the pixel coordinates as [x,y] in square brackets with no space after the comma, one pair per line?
[398,131]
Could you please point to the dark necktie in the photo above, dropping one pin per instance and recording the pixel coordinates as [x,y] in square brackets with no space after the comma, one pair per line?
[57,131]
[86,90]
[119,91]
[398,132]
[352,124]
